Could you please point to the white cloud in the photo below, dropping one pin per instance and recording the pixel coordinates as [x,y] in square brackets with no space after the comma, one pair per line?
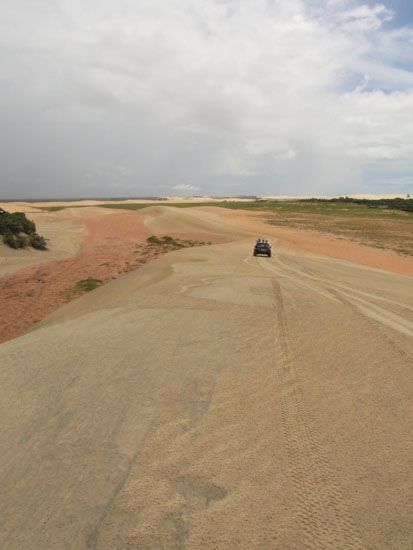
[185,187]
[365,18]
[202,90]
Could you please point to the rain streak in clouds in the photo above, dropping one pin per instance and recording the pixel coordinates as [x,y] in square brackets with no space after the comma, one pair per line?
[148,97]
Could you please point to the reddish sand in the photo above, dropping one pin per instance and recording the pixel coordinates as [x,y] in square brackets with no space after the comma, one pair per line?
[113,244]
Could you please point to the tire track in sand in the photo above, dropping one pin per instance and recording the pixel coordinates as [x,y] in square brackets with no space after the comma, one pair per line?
[363,301]
[377,317]
[322,513]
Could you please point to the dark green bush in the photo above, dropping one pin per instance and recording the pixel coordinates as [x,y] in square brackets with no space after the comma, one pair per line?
[168,240]
[38,242]
[18,240]
[153,240]
[86,285]
[406,205]
[19,232]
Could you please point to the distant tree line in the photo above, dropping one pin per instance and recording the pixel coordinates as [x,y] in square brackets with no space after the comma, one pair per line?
[395,204]
[19,232]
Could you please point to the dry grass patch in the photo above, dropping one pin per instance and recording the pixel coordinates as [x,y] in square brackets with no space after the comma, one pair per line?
[394,233]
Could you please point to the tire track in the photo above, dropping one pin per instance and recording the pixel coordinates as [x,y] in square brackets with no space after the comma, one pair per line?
[321,509]
[398,322]
[374,315]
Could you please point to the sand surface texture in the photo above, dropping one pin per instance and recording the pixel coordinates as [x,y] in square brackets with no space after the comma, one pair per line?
[91,242]
[63,233]
[212,399]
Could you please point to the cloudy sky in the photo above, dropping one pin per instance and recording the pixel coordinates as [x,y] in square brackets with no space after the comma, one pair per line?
[169,97]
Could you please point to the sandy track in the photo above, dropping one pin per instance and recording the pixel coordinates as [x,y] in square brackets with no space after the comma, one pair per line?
[214,400]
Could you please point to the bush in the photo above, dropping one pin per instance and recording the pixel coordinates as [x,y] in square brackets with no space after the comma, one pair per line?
[15,241]
[168,240]
[86,285]
[153,240]
[19,232]
[38,242]
[165,240]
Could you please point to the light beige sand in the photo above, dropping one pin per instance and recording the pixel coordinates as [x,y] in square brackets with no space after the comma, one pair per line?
[64,235]
[214,400]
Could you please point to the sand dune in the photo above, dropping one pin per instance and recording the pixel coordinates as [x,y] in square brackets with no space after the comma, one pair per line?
[205,223]
[90,242]
[214,400]
[63,234]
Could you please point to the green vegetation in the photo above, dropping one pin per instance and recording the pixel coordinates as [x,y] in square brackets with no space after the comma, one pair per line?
[398,208]
[128,205]
[82,286]
[19,232]
[52,208]
[344,205]
[166,240]
[167,243]
[398,203]
[377,225]
[153,240]
[86,285]
[58,208]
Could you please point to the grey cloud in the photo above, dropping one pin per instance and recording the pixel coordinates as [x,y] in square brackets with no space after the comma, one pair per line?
[246,96]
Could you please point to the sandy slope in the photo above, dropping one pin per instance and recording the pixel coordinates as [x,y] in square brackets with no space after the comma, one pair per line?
[113,242]
[214,400]
[63,234]
[111,245]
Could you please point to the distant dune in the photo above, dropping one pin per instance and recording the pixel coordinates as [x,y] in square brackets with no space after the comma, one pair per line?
[31,206]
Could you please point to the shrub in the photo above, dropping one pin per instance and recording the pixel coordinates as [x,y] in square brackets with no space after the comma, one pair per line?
[153,240]
[168,240]
[38,242]
[88,284]
[19,232]
[19,240]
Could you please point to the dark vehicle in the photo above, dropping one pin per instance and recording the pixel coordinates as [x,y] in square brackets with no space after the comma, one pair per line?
[262,248]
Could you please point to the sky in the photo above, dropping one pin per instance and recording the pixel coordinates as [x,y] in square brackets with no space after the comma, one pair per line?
[196,97]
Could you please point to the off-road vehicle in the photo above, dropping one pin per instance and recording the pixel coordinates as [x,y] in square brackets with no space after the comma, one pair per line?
[262,248]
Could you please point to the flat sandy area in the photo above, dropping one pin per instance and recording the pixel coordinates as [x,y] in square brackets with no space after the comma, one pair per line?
[211,399]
